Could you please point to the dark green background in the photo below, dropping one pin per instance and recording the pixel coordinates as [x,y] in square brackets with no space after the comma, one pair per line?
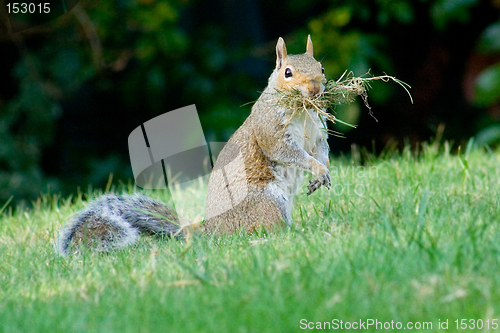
[71,90]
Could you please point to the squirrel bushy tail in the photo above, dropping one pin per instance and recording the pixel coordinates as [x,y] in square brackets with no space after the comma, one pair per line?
[112,222]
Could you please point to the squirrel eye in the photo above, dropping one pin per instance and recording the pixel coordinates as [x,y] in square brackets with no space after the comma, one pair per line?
[288,73]
[322,69]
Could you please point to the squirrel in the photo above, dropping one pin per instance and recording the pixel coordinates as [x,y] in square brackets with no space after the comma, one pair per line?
[253,182]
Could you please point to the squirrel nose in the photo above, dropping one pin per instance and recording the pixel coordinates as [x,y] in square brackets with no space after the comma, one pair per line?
[314,88]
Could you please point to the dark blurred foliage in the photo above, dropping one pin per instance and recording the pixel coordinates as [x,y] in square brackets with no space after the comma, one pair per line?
[74,88]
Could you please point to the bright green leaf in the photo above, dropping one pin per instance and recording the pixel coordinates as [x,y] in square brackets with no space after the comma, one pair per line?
[489,42]
[487,87]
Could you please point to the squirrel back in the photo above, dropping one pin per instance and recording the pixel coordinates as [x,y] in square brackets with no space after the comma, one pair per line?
[255,177]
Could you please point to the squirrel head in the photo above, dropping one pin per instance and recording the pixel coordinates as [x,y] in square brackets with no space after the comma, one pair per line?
[300,72]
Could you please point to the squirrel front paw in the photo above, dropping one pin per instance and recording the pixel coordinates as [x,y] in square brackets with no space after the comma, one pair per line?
[322,177]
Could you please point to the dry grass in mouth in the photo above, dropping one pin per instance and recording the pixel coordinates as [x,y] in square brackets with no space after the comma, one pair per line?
[341,91]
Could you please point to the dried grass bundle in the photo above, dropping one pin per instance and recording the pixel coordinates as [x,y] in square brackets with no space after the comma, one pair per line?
[341,91]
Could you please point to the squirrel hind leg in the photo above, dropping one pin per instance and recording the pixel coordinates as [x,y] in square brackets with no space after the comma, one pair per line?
[101,232]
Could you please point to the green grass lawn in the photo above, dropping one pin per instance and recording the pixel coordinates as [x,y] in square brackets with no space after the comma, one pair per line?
[401,238]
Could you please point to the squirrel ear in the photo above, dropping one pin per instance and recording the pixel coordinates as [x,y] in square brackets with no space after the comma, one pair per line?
[309,47]
[280,53]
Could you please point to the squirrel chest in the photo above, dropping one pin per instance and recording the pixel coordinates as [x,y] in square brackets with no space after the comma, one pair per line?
[306,129]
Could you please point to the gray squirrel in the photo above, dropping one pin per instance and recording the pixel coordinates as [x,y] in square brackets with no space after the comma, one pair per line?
[254,180]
